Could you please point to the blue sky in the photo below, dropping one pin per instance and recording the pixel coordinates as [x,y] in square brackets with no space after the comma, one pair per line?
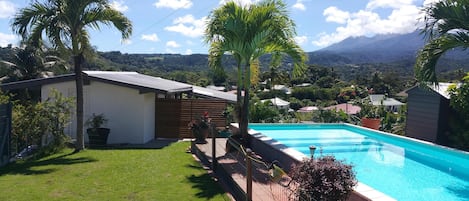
[176,26]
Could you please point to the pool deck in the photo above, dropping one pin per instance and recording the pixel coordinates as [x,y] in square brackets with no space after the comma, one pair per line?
[233,174]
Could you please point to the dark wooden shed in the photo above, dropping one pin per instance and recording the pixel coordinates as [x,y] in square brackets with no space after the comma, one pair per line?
[428,112]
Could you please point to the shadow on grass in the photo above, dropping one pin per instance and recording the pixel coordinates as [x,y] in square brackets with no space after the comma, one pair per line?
[154,144]
[207,186]
[27,167]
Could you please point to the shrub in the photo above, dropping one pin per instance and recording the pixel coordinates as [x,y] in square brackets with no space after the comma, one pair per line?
[34,122]
[324,178]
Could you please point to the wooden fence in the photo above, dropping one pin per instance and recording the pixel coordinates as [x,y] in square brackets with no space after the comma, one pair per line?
[173,115]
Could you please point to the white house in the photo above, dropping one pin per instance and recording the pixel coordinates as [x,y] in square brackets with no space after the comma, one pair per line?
[390,104]
[278,102]
[127,99]
[282,87]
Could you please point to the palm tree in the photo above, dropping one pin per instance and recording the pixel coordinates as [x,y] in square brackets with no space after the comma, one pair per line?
[447,28]
[65,24]
[248,32]
[30,63]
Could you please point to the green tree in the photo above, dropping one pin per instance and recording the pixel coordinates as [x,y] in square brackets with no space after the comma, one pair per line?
[446,28]
[459,123]
[65,24]
[248,32]
[30,63]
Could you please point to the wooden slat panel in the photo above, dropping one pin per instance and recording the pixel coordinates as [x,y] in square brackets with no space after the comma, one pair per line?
[172,116]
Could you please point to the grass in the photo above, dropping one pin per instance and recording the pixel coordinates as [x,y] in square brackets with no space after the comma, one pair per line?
[126,174]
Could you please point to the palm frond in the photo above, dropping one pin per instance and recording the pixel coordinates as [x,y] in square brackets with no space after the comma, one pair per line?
[428,57]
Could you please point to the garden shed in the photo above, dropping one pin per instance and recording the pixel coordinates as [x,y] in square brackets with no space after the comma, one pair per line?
[428,112]
[135,104]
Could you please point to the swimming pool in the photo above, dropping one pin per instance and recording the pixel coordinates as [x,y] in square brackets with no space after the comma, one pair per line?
[402,168]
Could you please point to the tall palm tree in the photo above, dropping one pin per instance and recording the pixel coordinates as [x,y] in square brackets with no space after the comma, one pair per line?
[446,28]
[248,32]
[65,24]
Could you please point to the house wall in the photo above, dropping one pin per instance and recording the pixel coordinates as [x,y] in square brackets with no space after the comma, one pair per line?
[67,89]
[126,109]
[423,110]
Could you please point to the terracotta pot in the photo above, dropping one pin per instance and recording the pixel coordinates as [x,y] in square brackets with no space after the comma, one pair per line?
[372,123]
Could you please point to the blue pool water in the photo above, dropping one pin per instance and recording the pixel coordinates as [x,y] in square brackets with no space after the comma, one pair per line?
[401,168]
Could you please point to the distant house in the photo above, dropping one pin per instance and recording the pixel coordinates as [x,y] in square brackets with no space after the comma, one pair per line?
[390,104]
[308,109]
[279,103]
[428,112]
[345,107]
[282,87]
[139,107]
[303,85]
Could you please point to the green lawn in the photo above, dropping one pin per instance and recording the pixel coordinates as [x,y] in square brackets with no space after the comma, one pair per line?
[126,174]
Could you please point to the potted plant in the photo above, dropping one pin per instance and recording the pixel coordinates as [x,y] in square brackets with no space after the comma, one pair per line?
[370,116]
[200,128]
[97,134]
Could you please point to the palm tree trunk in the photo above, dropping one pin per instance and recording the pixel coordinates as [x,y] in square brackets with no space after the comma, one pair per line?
[80,144]
[243,123]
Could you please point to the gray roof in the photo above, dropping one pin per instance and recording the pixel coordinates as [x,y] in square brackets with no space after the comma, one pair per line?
[442,88]
[143,83]
[211,93]
[139,81]
[380,99]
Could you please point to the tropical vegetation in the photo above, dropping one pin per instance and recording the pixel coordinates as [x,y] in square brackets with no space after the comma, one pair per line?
[248,32]
[446,28]
[65,25]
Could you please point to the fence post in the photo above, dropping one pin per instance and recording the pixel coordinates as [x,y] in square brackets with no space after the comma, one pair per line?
[248,175]
[213,132]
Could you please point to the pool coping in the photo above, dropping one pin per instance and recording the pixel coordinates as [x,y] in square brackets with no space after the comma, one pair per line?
[364,190]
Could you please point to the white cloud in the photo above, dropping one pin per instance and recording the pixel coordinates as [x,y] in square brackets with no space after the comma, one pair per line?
[428,2]
[7,9]
[173,4]
[301,39]
[333,14]
[6,39]
[299,5]
[239,2]
[119,6]
[388,3]
[172,44]
[188,26]
[403,18]
[150,37]
[188,52]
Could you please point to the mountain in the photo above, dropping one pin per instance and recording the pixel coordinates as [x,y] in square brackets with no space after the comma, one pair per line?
[389,49]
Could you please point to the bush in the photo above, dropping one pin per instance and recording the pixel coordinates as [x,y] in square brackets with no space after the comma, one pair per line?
[459,122]
[324,178]
[330,116]
[33,122]
[263,112]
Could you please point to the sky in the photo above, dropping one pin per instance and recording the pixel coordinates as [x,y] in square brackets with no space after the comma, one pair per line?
[177,26]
